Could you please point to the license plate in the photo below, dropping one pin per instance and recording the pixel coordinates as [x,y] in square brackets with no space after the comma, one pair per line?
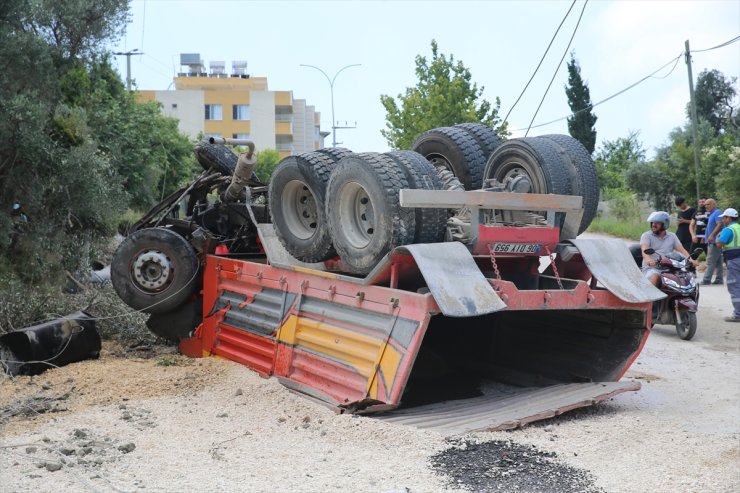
[516,247]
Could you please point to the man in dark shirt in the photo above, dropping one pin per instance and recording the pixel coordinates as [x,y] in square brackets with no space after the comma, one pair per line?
[698,226]
[685,215]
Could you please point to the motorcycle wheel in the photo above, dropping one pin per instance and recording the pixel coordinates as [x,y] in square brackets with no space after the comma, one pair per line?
[686,325]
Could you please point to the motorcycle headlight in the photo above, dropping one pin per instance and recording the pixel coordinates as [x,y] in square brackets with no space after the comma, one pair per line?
[671,284]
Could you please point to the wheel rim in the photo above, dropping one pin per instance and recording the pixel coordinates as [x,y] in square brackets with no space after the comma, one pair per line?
[299,209]
[440,161]
[152,271]
[511,170]
[356,215]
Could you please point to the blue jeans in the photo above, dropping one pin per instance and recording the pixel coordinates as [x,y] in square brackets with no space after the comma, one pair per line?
[714,263]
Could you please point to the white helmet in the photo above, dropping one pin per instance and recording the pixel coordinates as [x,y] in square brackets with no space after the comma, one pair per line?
[660,217]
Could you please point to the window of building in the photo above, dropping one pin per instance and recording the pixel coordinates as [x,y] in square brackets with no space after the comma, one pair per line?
[241,112]
[215,136]
[214,112]
[174,106]
[241,136]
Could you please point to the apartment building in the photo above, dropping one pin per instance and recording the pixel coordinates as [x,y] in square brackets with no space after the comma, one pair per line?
[233,104]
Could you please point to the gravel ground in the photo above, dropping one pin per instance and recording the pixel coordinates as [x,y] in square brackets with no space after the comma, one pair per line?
[138,420]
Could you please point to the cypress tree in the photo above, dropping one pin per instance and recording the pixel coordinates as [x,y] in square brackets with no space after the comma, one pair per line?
[581,124]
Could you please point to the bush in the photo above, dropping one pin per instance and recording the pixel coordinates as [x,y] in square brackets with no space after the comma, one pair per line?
[623,205]
[24,306]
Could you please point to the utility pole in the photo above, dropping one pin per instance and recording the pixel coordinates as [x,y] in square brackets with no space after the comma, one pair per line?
[334,126]
[694,124]
[128,54]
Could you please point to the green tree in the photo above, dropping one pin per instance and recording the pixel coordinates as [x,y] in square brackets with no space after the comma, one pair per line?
[615,157]
[73,140]
[649,181]
[581,124]
[145,147]
[267,161]
[714,96]
[443,96]
[677,157]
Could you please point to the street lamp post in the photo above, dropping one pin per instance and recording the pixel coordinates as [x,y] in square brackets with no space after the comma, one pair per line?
[128,54]
[331,88]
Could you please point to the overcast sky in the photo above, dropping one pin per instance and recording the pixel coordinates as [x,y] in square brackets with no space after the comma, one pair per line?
[501,42]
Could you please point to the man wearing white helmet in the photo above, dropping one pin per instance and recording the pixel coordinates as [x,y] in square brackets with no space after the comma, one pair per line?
[662,241]
[729,242]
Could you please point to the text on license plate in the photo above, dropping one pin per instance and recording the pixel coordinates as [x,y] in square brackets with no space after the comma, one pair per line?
[516,248]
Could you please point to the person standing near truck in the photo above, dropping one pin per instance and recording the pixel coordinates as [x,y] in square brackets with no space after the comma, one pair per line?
[729,242]
[698,226]
[685,214]
[714,255]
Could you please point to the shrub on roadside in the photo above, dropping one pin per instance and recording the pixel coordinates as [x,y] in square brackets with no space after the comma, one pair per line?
[23,307]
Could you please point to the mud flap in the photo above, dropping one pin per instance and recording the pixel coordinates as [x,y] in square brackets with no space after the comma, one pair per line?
[611,262]
[508,409]
[454,279]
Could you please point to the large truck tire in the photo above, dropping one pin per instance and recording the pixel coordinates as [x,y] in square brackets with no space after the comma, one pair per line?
[456,150]
[541,162]
[297,194]
[487,138]
[215,156]
[219,157]
[334,153]
[430,223]
[587,180]
[362,207]
[154,270]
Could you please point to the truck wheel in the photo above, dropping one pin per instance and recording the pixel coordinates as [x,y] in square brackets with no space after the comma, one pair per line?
[430,223]
[154,270]
[587,183]
[334,153]
[218,156]
[178,324]
[487,138]
[296,194]
[215,156]
[453,149]
[365,218]
[538,163]
[686,325]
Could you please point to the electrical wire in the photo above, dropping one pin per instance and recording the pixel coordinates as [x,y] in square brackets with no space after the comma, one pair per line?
[649,76]
[557,68]
[673,61]
[733,40]
[539,64]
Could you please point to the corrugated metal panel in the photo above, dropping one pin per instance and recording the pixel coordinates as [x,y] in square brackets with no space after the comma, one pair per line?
[503,411]
[245,348]
[262,315]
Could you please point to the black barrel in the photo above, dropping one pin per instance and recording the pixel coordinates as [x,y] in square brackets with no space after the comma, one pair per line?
[33,350]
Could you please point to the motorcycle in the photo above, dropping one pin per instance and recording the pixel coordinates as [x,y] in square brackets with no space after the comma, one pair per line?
[678,281]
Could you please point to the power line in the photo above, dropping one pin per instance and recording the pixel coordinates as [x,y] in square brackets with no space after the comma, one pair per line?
[673,61]
[733,40]
[557,68]
[539,64]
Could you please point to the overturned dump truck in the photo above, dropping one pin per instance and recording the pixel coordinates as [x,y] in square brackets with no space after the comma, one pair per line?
[442,287]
